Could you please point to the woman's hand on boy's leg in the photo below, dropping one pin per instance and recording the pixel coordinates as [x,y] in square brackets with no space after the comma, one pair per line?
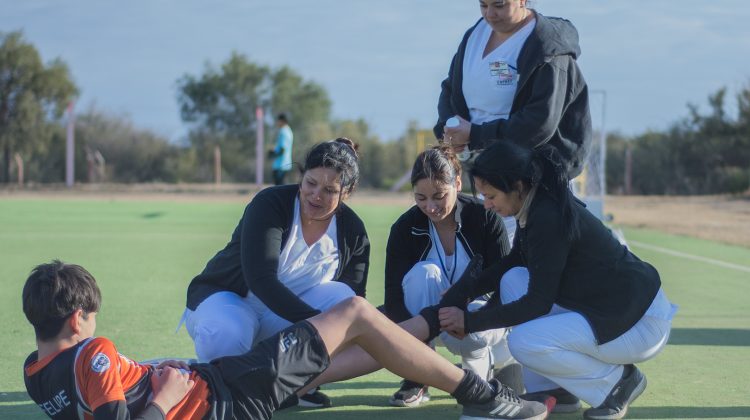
[452,321]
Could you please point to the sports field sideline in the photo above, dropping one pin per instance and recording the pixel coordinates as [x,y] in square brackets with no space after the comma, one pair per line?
[143,253]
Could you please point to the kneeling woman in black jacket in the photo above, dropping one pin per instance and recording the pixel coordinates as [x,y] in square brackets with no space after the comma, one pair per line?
[583,308]
[298,250]
[429,248]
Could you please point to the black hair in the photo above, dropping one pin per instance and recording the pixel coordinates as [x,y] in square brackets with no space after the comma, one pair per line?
[505,163]
[438,163]
[55,291]
[341,156]
[282,117]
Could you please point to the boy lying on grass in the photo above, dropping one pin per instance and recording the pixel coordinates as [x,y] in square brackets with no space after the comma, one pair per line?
[74,375]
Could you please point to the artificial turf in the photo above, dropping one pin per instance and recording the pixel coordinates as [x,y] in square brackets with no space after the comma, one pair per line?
[144,253]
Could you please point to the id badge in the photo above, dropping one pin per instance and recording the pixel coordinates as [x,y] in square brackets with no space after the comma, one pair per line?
[503,74]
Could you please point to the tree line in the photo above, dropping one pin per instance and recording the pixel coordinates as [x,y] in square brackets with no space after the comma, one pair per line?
[698,155]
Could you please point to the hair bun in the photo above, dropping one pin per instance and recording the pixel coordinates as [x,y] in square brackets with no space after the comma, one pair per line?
[445,149]
[347,141]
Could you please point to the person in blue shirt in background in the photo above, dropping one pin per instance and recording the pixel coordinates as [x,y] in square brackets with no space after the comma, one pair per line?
[282,152]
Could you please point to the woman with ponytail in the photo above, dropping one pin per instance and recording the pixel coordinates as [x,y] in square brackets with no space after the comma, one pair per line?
[583,308]
[429,248]
[297,251]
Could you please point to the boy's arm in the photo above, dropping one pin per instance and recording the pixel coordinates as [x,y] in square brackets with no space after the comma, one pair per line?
[98,373]
[170,385]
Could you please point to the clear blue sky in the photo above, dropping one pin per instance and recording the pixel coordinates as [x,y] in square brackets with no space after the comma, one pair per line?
[381,60]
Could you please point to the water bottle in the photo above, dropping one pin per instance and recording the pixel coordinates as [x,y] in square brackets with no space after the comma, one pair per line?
[452,122]
[465,154]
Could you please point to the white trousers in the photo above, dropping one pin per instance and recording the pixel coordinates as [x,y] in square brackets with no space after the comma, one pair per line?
[423,286]
[559,349]
[226,324]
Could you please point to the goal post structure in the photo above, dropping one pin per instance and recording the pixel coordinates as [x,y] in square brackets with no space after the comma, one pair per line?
[591,185]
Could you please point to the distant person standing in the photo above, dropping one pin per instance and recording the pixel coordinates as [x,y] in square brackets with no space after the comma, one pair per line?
[282,152]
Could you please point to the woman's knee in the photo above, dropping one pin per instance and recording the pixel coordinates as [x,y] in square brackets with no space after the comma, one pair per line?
[423,276]
[471,346]
[218,337]
[514,284]
[355,306]
[523,347]
[329,294]
[422,286]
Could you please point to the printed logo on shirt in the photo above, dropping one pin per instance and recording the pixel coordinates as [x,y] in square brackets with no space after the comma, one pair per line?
[503,73]
[287,341]
[100,363]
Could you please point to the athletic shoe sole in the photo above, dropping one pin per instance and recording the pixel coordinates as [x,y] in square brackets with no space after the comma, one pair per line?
[401,403]
[566,408]
[307,404]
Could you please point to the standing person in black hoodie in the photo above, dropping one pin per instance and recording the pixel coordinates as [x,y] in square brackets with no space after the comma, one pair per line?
[515,78]
[583,308]
[297,251]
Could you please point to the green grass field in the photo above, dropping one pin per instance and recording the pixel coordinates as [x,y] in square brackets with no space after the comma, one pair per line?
[144,253]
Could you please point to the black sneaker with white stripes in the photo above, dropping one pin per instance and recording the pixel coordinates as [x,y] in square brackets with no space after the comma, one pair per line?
[505,405]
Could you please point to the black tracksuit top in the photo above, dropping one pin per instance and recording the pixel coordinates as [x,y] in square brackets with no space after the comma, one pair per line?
[593,275]
[480,231]
[249,262]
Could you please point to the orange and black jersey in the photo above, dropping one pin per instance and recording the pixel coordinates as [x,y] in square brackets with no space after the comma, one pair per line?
[91,380]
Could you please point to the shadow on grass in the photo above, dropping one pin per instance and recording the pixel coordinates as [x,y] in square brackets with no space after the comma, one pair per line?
[14,397]
[153,215]
[17,405]
[362,385]
[392,413]
[688,412]
[375,401]
[709,337]
[450,411]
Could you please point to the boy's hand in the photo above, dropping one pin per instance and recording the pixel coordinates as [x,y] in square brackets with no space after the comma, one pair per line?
[170,386]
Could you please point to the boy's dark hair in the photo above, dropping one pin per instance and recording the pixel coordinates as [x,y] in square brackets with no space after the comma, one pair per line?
[282,117]
[53,292]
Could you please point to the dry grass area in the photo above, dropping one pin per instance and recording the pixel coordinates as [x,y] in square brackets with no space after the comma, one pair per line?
[720,218]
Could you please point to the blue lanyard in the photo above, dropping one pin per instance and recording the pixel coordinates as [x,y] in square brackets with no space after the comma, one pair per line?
[440,258]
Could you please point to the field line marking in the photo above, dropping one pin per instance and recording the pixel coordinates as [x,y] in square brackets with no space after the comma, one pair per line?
[691,256]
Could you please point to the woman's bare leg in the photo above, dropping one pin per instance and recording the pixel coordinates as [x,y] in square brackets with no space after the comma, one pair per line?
[361,340]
